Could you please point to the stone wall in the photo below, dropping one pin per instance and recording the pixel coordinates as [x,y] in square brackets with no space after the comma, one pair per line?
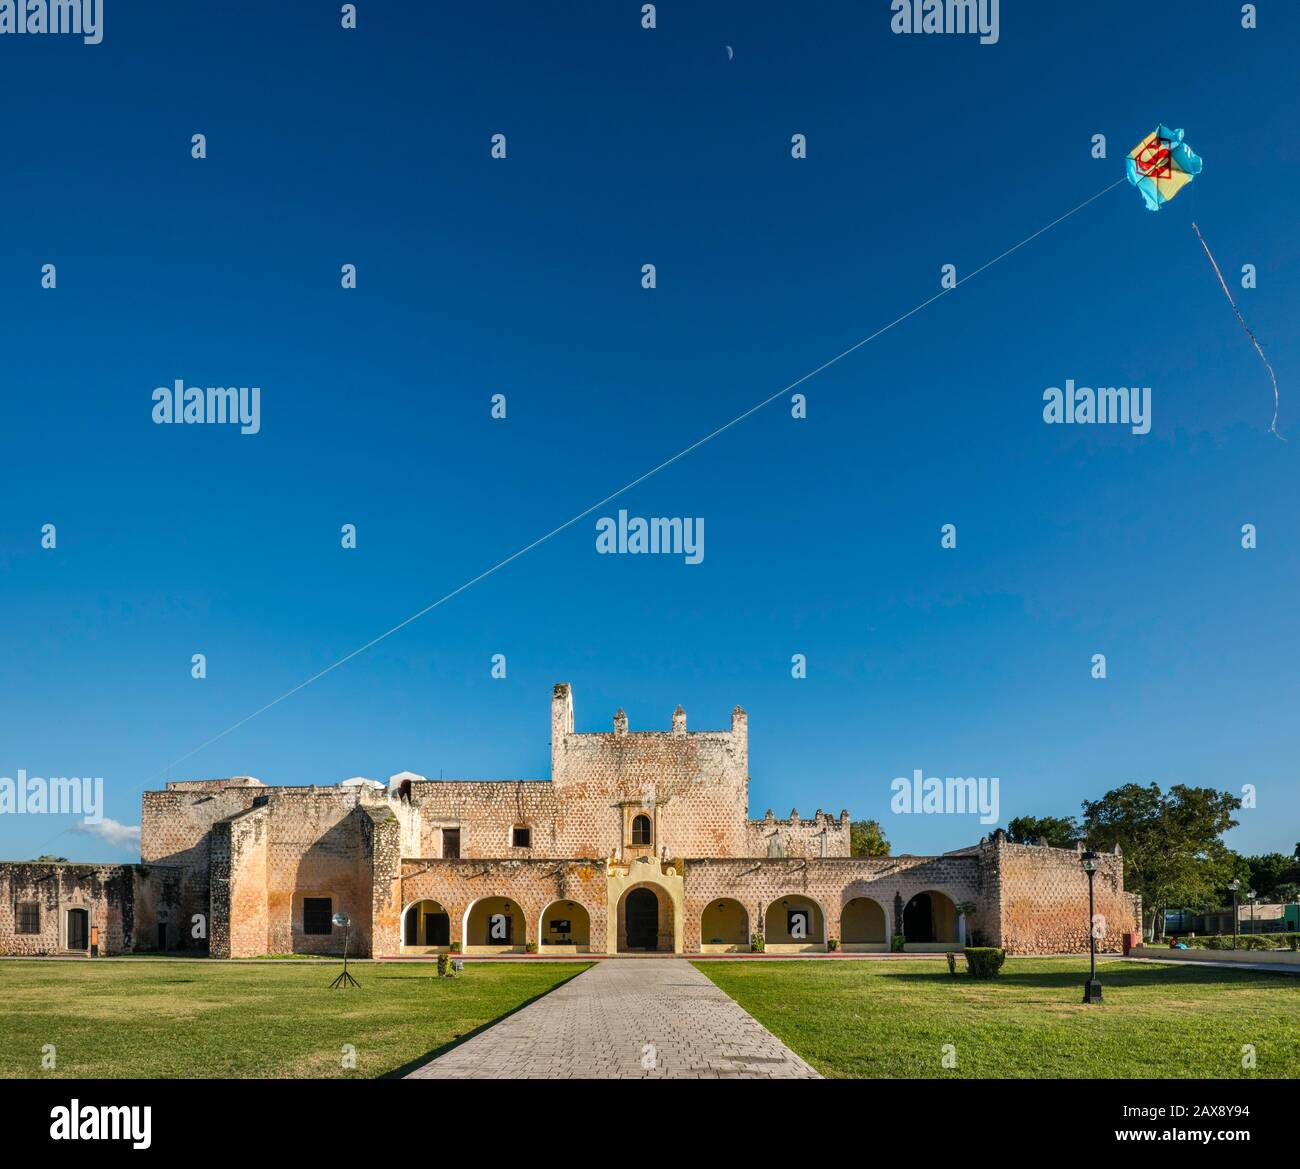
[1041,897]
[484,812]
[693,785]
[176,830]
[533,885]
[125,903]
[831,883]
[238,925]
[382,839]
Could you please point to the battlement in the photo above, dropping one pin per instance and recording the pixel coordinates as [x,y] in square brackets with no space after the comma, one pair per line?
[824,835]
[565,740]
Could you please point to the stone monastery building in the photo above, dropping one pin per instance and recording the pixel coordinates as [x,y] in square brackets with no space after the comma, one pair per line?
[640,841]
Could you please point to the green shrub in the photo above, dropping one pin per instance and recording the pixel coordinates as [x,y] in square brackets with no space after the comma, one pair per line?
[445,968]
[952,962]
[896,944]
[530,947]
[455,947]
[832,944]
[1270,941]
[756,943]
[984,961]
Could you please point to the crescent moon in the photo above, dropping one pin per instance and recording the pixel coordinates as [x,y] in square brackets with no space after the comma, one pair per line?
[730,53]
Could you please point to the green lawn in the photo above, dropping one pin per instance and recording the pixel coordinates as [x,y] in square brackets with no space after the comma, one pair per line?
[892,1018]
[203,1018]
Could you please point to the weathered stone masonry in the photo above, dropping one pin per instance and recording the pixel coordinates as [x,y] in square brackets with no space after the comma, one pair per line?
[638,841]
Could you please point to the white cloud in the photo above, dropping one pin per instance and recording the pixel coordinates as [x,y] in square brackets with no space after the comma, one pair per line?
[117,834]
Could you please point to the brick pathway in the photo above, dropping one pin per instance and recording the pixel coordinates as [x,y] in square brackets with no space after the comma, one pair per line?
[625,1019]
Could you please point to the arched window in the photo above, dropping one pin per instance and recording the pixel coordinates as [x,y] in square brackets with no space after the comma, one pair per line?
[641,830]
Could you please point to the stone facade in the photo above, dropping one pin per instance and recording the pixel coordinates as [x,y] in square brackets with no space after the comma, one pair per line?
[638,841]
[125,907]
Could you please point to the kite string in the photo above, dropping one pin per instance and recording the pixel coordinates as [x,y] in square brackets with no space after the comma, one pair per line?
[1253,340]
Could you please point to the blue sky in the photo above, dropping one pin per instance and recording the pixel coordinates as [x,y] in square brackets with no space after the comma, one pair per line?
[522,276]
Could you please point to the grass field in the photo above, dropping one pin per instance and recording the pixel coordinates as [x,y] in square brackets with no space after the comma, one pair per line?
[201,1018]
[893,1018]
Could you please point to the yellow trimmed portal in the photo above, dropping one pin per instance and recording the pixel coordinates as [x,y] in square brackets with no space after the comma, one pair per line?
[646,896]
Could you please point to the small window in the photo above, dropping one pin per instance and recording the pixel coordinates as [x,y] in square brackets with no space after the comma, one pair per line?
[451,844]
[521,837]
[641,830]
[28,917]
[316,913]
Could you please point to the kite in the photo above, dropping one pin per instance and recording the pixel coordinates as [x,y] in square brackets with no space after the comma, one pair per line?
[1160,166]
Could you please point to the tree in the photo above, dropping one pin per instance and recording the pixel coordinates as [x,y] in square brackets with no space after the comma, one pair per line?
[1272,872]
[56,860]
[1058,831]
[1172,844]
[867,838]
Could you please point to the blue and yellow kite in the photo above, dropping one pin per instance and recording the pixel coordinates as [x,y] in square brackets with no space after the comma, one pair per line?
[1161,165]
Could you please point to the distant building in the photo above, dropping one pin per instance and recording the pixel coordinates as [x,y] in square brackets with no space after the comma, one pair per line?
[1268,918]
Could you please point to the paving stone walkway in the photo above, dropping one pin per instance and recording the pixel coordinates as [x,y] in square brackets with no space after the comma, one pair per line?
[625,1019]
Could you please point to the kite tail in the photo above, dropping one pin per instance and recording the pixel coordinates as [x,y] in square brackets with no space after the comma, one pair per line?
[1253,340]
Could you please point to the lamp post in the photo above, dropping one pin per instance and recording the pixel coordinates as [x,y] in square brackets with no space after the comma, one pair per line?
[1234,885]
[1250,896]
[1091,991]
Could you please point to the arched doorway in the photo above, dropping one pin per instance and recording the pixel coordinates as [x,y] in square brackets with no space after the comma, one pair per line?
[724,927]
[862,926]
[645,920]
[495,924]
[930,921]
[78,929]
[641,920]
[918,919]
[565,926]
[425,925]
[794,924]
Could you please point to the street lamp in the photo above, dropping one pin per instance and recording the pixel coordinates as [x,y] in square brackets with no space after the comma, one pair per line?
[1251,898]
[1092,991]
[1234,885]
